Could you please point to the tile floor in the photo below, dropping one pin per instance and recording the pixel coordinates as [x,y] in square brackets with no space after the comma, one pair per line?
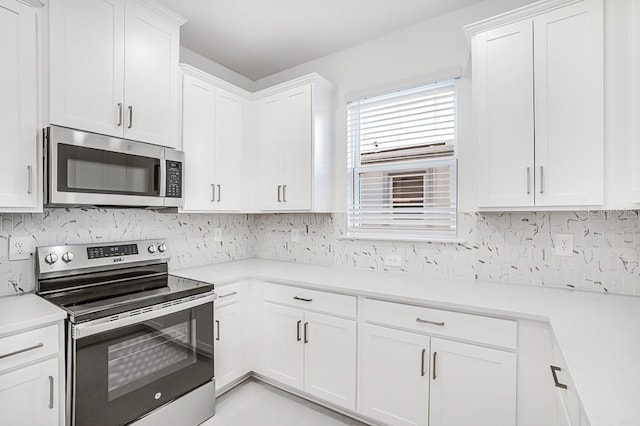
[256,403]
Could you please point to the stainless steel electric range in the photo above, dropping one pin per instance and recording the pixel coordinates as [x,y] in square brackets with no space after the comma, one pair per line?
[139,341]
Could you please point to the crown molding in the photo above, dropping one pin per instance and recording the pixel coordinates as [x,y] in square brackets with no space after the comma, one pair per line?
[313,78]
[218,82]
[166,13]
[31,3]
[516,15]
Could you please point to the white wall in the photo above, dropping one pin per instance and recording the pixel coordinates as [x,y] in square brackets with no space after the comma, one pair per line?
[192,58]
[411,55]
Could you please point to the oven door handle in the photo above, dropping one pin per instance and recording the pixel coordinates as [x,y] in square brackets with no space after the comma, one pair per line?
[101,325]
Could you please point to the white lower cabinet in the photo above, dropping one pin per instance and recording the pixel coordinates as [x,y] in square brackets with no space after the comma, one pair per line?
[29,395]
[310,352]
[471,385]
[228,344]
[394,381]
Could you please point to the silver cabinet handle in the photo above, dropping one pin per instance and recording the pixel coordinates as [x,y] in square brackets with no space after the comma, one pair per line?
[279,196]
[222,296]
[217,330]
[435,355]
[21,351]
[306,331]
[424,351]
[439,324]
[528,180]
[213,192]
[298,330]
[218,200]
[284,193]
[119,114]
[554,370]
[302,299]
[130,107]
[30,181]
[51,392]
[542,179]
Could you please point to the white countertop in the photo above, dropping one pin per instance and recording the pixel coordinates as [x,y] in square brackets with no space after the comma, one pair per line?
[598,334]
[26,311]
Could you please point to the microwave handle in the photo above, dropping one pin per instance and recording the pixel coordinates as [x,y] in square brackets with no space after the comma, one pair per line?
[163,178]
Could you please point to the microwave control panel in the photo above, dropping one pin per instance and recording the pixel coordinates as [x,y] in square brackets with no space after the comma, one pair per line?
[174,179]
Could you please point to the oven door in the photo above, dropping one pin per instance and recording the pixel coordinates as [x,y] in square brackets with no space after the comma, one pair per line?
[87,168]
[121,372]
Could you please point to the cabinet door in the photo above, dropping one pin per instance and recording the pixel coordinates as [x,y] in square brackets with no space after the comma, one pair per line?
[330,359]
[228,344]
[394,382]
[29,395]
[471,385]
[198,135]
[282,345]
[228,151]
[152,77]
[297,170]
[503,93]
[569,105]
[18,113]
[271,128]
[86,65]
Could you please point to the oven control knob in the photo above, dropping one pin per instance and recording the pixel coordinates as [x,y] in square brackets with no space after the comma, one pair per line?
[51,258]
[152,248]
[67,257]
[162,248]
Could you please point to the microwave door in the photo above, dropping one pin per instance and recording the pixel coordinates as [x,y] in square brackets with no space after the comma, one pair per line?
[85,168]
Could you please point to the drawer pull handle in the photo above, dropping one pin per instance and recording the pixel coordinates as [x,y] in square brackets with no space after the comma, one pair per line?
[439,324]
[554,370]
[51,392]
[298,330]
[306,340]
[303,299]
[217,330]
[435,357]
[21,351]
[222,296]
[422,362]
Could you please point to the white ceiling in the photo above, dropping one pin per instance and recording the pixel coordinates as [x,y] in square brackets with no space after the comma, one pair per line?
[257,38]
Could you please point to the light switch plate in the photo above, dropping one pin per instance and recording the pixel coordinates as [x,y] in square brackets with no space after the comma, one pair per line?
[217,235]
[295,235]
[20,248]
[564,244]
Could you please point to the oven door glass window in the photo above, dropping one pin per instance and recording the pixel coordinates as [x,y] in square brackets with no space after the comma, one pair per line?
[90,170]
[124,373]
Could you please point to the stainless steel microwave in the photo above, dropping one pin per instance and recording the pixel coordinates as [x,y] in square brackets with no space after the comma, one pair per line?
[84,168]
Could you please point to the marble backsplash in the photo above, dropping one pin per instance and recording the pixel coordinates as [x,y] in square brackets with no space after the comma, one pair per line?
[191,239]
[506,247]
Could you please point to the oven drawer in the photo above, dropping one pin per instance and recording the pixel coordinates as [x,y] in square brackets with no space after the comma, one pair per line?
[437,322]
[28,346]
[321,301]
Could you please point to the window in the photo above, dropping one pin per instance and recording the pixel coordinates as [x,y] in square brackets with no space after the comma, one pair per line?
[403,164]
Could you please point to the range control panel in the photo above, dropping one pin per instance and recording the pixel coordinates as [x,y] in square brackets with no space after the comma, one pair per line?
[73,257]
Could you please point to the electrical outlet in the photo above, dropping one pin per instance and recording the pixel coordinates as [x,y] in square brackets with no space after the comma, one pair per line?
[393,260]
[20,248]
[295,235]
[217,235]
[564,244]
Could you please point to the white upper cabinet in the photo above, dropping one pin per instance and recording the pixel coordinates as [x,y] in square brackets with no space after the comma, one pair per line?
[212,136]
[19,127]
[114,69]
[294,146]
[539,106]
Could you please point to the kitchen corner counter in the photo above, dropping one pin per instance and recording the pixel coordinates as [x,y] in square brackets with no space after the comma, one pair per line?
[598,334]
[26,311]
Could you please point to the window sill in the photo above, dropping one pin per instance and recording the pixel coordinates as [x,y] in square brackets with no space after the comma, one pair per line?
[403,239]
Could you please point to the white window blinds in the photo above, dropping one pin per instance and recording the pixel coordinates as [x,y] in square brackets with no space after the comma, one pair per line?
[402,164]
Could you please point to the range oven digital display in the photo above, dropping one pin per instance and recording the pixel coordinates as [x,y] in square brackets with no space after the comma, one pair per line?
[112,251]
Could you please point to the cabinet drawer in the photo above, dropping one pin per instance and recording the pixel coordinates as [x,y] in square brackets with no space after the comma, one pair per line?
[28,346]
[228,294]
[330,303]
[473,328]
